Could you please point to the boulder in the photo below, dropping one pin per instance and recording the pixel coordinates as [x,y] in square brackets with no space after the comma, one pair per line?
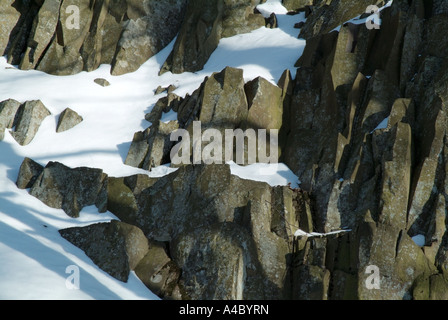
[102,82]
[29,171]
[61,187]
[159,273]
[265,104]
[67,120]
[152,26]
[151,148]
[115,247]
[8,112]
[29,118]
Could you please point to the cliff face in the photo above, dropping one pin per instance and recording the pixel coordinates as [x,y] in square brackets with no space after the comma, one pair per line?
[66,37]
[362,124]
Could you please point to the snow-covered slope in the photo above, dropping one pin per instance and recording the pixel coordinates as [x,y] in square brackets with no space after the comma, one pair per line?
[34,257]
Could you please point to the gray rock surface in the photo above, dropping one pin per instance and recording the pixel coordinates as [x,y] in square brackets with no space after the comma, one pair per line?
[29,118]
[61,187]
[67,120]
[115,247]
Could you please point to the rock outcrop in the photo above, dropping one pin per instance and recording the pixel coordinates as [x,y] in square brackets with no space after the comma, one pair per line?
[222,102]
[61,187]
[362,124]
[66,37]
[116,247]
[205,23]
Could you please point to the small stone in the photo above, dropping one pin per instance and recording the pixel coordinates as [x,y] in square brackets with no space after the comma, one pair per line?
[102,82]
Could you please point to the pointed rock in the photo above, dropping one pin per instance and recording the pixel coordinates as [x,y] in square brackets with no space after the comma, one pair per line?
[8,112]
[30,117]
[28,173]
[67,120]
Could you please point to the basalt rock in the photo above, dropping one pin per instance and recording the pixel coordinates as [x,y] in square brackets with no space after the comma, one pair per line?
[29,118]
[8,112]
[65,37]
[364,128]
[61,187]
[115,247]
[205,23]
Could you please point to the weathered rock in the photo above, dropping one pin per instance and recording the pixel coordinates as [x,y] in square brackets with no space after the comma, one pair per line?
[152,147]
[296,4]
[198,197]
[239,17]
[9,17]
[115,247]
[159,273]
[53,37]
[44,27]
[399,260]
[62,56]
[28,173]
[265,104]
[151,27]
[163,105]
[205,23]
[329,16]
[198,37]
[67,120]
[224,100]
[102,82]
[220,262]
[8,112]
[29,118]
[61,187]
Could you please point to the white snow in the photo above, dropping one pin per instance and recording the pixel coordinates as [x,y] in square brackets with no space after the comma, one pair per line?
[419,240]
[358,20]
[33,255]
[301,233]
[383,124]
[274,174]
[271,6]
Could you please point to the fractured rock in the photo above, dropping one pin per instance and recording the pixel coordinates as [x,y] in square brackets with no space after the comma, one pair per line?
[115,247]
[61,187]
[8,112]
[28,173]
[29,118]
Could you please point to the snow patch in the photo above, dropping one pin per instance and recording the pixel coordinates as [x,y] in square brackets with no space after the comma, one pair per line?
[419,240]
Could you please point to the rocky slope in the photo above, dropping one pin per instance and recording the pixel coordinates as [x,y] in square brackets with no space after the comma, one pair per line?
[202,233]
